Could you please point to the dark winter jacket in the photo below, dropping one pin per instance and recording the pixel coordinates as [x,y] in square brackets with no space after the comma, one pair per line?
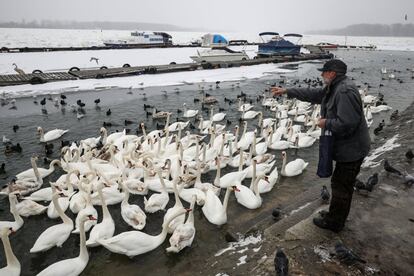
[341,105]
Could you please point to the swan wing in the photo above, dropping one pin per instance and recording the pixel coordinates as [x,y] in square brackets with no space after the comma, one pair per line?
[219,117]
[130,243]
[103,230]
[232,178]
[134,216]
[55,235]
[28,208]
[264,186]
[295,167]
[69,267]
[44,194]
[183,236]
[212,205]
[54,134]
[247,198]
[156,202]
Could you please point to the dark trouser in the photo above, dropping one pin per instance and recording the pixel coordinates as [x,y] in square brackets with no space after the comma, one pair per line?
[342,183]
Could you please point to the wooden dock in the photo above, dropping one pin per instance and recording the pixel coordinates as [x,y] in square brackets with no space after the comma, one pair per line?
[37,78]
[75,73]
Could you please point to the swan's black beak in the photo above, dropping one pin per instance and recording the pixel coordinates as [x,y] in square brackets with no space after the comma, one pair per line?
[235,189]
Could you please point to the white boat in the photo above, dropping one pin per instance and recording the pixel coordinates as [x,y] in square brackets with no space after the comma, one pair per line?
[219,54]
[141,39]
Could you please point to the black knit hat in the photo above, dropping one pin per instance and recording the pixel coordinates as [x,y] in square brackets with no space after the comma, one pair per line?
[334,65]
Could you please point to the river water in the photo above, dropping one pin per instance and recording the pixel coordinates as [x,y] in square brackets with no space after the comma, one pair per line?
[364,66]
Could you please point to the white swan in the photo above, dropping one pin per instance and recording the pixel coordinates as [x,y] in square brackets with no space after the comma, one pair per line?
[134,185]
[90,143]
[184,234]
[50,135]
[244,107]
[159,114]
[110,192]
[229,179]
[23,186]
[103,230]
[55,235]
[178,125]
[63,201]
[217,117]
[30,173]
[368,113]
[157,201]
[380,108]
[18,221]
[214,211]
[258,148]
[234,161]
[112,138]
[298,111]
[153,183]
[198,191]
[246,138]
[261,168]
[266,186]
[248,115]
[202,187]
[171,211]
[248,198]
[132,214]
[29,207]
[61,182]
[74,266]
[189,113]
[304,141]
[90,210]
[78,201]
[292,168]
[313,131]
[274,140]
[204,123]
[134,243]
[13,265]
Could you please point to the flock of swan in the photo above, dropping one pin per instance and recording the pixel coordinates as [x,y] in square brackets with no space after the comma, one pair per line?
[105,170]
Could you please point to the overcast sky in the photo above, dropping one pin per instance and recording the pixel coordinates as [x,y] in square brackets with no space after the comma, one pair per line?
[220,15]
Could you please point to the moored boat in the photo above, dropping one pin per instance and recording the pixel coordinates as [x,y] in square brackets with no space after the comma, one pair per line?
[219,54]
[278,45]
[144,39]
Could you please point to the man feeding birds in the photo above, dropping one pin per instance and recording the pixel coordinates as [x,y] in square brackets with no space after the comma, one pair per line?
[347,139]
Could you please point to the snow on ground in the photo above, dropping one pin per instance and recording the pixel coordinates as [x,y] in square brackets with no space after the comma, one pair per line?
[300,208]
[241,243]
[390,144]
[323,253]
[242,260]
